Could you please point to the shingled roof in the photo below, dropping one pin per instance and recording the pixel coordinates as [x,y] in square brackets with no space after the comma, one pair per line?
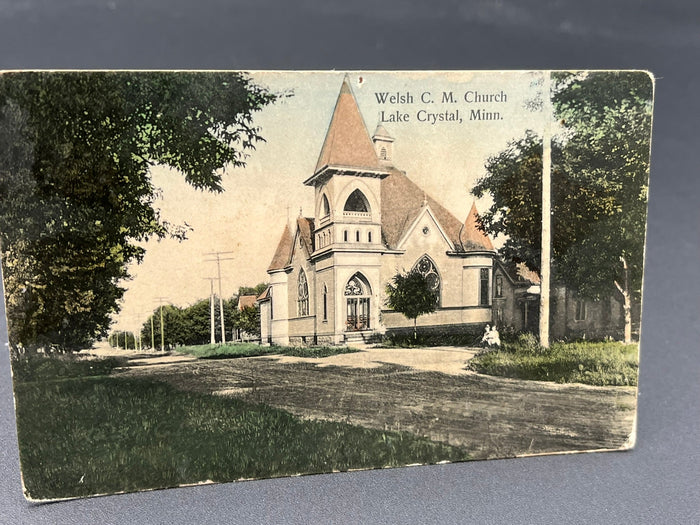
[347,142]
[246,301]
[472,237]
[283,252]
[285,246]
[402,202]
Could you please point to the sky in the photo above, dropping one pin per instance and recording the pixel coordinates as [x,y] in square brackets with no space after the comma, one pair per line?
[445,158]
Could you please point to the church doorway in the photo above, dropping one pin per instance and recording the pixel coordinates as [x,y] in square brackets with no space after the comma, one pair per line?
[357,300]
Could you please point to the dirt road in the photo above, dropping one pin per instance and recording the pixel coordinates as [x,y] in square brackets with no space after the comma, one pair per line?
[487,416]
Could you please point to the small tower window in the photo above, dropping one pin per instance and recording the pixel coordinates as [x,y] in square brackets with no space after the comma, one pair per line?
[345,236]
[357,236]
[369,236]
[356,202]
[325,207]
[382,153]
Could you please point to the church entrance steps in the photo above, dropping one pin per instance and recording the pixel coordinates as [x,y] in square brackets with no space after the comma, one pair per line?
[362,337]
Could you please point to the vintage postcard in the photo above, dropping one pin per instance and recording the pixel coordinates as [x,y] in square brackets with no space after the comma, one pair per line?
[220,276]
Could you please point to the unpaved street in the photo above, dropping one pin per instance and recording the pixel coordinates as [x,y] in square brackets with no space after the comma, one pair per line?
[428,395]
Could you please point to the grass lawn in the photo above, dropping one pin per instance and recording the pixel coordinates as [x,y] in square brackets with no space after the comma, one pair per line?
[252,349]
[600,364]
[89,434]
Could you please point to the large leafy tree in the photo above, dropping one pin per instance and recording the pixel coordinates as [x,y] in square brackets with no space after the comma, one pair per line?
[248,320]
[600,171]
[76,198]
[411,294]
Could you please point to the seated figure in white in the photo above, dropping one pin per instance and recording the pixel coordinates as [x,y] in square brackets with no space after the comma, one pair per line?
[491,337]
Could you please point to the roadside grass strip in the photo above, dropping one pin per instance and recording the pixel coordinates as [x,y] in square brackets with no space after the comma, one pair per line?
[100,434]
[235,350]
[590,363]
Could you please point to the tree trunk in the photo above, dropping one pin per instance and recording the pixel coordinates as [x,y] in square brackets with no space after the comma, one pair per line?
[626,301]
[415,330]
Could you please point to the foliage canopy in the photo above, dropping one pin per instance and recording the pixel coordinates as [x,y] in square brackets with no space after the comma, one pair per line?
[600,171]
[76,198]
[411,295]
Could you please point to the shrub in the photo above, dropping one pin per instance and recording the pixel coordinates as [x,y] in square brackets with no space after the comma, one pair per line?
[525,343]
[406,340]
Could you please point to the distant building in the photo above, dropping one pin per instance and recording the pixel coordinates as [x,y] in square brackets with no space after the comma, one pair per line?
[245,301]
[329,272]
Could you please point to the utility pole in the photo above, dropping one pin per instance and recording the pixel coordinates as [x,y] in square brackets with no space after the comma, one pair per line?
[221,300]
[546,246]
[162,328]
[212,328]
[153,342]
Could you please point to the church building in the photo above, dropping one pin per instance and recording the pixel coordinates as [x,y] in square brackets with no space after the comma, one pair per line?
[329,273]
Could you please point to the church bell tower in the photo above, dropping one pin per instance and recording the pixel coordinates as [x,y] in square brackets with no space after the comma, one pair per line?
[347,180]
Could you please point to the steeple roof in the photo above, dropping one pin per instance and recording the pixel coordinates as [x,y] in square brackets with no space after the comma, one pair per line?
[382,133]
[283,251]
[471,236]
[347,141]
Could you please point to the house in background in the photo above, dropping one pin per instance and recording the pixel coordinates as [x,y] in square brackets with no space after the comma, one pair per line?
[245,301]
[329,272]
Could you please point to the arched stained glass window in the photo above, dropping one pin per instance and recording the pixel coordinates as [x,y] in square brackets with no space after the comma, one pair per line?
[357,300]
[426,267]
[354,287]
[303,295]
[356,202]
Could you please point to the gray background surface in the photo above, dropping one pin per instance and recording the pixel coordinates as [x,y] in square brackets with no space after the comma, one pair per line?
[658,482]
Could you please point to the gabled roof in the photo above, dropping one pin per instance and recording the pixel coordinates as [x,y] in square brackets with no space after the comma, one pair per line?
[347,142]
[283,252]
[471,237]
[246,301]
[403,201]
[519,273]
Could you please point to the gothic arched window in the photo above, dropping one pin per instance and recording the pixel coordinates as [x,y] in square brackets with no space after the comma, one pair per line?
[356,202]
[325,207]
[426,267]
[357,303]
[325,302]
[303,295]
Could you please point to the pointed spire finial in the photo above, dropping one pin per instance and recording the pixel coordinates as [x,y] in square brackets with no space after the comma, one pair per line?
[347,141]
